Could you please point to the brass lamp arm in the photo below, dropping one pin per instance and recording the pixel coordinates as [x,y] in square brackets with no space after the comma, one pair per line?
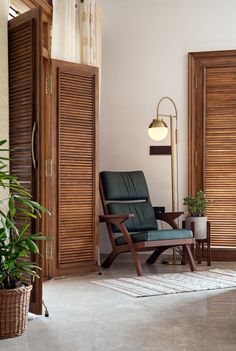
[168,98]
[170,116]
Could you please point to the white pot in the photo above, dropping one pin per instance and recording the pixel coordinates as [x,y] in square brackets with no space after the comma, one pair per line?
[200,226]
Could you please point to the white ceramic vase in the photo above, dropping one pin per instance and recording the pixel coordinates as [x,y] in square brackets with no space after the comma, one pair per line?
[200,226]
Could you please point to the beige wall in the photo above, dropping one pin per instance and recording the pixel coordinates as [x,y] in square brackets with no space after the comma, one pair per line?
[144,57]
[3,71]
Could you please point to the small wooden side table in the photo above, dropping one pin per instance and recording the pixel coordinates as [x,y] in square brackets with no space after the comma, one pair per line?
[200,246]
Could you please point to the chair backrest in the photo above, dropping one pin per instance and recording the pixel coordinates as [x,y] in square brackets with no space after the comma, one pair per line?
[126,193]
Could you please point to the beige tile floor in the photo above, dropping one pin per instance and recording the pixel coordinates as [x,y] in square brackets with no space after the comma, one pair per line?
[87,317]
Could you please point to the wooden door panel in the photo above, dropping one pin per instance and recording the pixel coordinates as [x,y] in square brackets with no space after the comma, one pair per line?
[75,122]
[220,153]
[212,161]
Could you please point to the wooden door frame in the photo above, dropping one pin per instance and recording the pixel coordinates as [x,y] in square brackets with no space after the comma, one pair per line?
[197,64]
[45,149]
[46,5]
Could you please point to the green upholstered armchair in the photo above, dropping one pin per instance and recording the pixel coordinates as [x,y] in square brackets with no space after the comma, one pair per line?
[132,220]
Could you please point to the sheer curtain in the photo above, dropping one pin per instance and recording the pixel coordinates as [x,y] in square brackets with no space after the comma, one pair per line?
[90,32]
[76,31]
[63,30]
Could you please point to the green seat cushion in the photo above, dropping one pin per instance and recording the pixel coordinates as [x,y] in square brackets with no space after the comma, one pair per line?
[154,235]
[124,186]
[144,216]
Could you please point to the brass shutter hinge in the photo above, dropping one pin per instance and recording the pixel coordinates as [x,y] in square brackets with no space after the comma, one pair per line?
[48,167]
[48,87]
[48,252]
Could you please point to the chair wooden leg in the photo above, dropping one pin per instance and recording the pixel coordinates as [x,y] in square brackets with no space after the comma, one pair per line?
[137,262]
[190,257]
[184,260]
[132,250]
[155,255]
[185,256]
[108,261]
[199,253]
[208,243]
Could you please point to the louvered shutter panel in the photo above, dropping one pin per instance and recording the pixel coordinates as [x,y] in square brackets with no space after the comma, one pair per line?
[21,76]
[24,87]
[75,105]
[220,154]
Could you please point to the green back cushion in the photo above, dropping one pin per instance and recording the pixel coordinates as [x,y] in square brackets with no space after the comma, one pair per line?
[124,186]
[144,216]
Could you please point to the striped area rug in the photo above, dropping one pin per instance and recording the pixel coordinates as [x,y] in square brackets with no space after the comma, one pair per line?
[172,283]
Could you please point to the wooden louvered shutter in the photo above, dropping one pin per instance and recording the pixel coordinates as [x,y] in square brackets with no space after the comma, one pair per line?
[220,153]
[25,120]
[212,142]
[74,118]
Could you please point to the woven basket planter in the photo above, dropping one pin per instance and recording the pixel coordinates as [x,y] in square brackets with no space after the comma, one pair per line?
[14,307]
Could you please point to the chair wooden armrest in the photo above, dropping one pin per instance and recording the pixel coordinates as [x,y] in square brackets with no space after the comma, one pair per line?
[115,219]
[168,217]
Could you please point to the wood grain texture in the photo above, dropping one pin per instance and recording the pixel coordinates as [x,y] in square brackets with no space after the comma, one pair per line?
[212,139]
[29,51]
[75,116]
[24,111]
[46,5]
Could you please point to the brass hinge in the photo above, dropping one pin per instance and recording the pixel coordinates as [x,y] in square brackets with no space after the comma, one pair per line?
[195,158]
[48,167]
[48,252]
[48,87]
[196,81]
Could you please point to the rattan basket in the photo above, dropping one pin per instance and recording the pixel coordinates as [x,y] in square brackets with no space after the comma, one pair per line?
[14,307]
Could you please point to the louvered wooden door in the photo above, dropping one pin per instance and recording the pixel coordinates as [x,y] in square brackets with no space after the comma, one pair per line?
[220,153]
[26,124]
[75,169]
[213,140]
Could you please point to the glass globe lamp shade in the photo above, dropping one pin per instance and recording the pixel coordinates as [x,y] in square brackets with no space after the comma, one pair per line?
[158,130]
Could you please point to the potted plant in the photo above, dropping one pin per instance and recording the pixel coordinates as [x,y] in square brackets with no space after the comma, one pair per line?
[17,244]
[197,205]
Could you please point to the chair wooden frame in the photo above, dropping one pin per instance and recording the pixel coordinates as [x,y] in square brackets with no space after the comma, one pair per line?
[158,246]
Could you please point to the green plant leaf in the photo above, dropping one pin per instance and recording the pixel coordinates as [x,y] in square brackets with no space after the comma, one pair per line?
[23,231]
[39,237]
[26,213]
[32,245]
[12,206]
[3,142]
